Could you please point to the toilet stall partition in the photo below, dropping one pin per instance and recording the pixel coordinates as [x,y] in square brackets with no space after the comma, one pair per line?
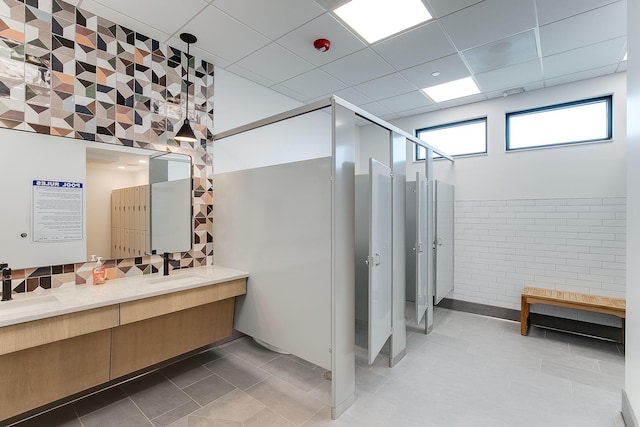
[420,248]
[380,259]
[444,239]
[285,211]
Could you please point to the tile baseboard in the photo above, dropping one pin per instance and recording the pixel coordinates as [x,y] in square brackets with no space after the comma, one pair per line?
[595,330]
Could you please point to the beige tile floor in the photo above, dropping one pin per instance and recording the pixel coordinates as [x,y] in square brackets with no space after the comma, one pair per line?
[470,371]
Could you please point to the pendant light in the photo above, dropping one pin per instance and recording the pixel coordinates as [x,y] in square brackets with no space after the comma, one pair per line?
[186,133]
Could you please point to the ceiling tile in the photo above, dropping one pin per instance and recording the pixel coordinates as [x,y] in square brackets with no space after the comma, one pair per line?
[249,74]
[488,21]
[461,101]
[416,111]
[502,53]
[385,87]
[168,18]
[422,44]
[554,10]
[353,96]
[314,84]
[275,63]
[444,7]
[375,108]
[408,101]
[223,36]
[290,93]
[358,67]
[199,53]
[582,75]
[450,67]
[343,42]
[124,20]
[587,28]
[510,77]
[284,15]
[586,58]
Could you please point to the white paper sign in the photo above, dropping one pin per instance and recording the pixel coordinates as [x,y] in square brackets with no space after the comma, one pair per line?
[57,211]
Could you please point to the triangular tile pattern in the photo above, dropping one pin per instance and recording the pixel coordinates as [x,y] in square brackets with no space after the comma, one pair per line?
[67,72]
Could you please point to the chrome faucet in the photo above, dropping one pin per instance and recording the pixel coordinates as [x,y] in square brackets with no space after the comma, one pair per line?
[6,281]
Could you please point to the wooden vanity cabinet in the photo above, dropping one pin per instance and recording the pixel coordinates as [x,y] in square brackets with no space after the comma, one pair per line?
[44,360]
[159,328]
[47,360]
[147,342]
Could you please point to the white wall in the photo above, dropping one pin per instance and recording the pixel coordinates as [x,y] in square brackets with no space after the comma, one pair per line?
[632,358]
[551,217]
[240,101]
[576,171]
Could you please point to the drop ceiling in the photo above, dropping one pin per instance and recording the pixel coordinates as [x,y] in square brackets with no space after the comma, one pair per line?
[501,44]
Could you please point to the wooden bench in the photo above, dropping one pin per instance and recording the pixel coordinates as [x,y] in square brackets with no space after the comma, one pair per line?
[598,304]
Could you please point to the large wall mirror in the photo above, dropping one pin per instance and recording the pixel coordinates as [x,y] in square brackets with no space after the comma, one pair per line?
[67,200]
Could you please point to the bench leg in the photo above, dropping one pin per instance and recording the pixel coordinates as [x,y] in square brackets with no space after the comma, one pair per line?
[524,316]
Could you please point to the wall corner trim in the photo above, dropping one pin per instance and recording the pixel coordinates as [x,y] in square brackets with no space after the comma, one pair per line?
[628,415]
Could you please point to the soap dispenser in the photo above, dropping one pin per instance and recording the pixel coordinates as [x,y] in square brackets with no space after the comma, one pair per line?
[99,273]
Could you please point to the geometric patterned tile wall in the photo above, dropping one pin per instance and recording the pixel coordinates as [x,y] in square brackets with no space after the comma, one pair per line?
[67,72]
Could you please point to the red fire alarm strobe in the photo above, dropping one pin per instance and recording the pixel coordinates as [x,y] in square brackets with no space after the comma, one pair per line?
[322,45]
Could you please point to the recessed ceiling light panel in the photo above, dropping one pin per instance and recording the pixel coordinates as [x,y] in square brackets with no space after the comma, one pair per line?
[452,90]
[377,19]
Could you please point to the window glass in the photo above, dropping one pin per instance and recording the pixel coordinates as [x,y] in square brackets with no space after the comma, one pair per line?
[456,139]
[570,123]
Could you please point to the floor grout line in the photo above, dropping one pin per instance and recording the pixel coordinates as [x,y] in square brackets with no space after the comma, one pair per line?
[481,352]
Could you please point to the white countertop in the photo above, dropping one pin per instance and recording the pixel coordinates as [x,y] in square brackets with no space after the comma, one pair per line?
[30,306]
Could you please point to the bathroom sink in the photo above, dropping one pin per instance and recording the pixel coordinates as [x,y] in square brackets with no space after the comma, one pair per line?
[27,305]
[182,279]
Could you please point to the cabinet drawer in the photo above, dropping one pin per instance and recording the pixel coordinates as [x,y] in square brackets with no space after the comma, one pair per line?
[135,311]
[38,332]
[141,344]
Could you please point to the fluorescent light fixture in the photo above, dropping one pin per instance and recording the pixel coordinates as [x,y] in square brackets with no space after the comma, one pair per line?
[451,90]
[625,56]
[377,19]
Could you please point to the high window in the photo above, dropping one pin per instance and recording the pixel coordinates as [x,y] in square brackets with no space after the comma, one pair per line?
[588,120]
[463,138]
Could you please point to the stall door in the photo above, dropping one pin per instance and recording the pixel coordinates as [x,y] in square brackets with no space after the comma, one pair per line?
[444,240]
[422,203]
[379,259]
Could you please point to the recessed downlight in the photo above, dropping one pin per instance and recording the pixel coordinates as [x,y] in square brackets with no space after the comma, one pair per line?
[435,73]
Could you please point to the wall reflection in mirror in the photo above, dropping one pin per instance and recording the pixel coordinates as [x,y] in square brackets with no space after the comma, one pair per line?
[66,200]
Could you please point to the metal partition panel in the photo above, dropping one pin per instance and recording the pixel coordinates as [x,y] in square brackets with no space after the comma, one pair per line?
[445,200]
[275,222]
[421,290]
[380,260]
[343,356]
[362,248]
[398,156]
[431,277]
[410,240]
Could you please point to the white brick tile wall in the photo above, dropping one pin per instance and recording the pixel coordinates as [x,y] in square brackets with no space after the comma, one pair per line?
[565,244]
